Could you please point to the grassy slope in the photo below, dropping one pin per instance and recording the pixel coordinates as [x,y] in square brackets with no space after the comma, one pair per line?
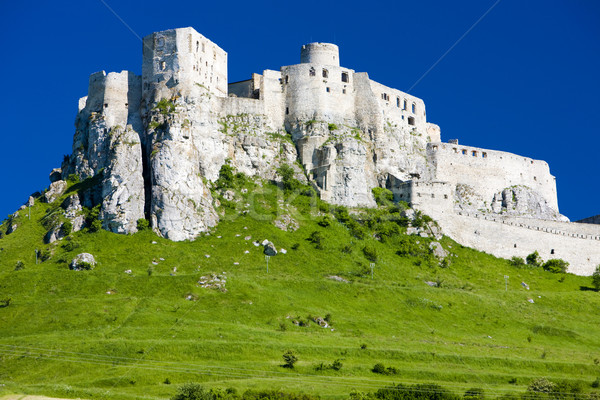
[63,335]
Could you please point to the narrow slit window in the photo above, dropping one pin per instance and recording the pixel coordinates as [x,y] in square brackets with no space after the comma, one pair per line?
[414,108]
[325,73]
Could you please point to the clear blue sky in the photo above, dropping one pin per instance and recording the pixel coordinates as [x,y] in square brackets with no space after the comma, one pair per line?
[525,79]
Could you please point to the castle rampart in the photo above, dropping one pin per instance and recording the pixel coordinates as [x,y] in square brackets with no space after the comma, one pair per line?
[489,172]
[320,53]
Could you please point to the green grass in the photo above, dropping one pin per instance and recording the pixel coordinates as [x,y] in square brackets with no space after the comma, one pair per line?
[63,335]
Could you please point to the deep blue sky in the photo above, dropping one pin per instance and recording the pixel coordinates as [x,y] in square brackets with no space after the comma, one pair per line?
[524,80]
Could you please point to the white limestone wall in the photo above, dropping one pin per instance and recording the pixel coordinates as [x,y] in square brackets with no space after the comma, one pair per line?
[490,171]
[181,58]
[316,97]
[320,53]
[508,238]
[240,105]
[404,109]
[272,94]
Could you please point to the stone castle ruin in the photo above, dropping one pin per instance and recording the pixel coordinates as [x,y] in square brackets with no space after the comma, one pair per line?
[153,142]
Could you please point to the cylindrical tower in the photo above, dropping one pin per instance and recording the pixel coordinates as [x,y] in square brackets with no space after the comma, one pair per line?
[320,53]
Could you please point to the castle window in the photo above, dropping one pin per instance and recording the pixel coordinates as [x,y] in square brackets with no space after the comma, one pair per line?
[535,178]
[411,120]
[474,153]
[325,73]
[343,91]
[214,55]
[287,110]
[163,65]
[344,77]
[515,245]
[404,105]
[126,104]
[197,46]
[328,90]
[432,196]
[445,196]
[311,72]
[287,79]
[434,148]
[414,108]
[455,149]
[105,104]
[203,47]
[398,102]
[552,251]
[464,152]
[484,154]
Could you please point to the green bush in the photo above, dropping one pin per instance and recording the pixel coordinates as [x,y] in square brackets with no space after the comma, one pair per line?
[556,265]
[225,179]
[516,261]
[19,265]
[95,226]
[289,359]
[317,239]
[332,127]
[73,178]
[324,221]
[474,394]
[370,253]
[66,228]
[378,368]
[143,224]
[289,183]
[596,278]
[541,385]
[415,392]
[534,259]
[383,197]
[165,106]
[192,391]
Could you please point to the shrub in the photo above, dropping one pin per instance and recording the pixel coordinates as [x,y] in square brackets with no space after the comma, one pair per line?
[66,228]
[289,359]
[556,265]
[474,394]
[19,265]
[534,259]
[225,179]
[73,178]
[346,249]
[383,197]
[418,392]
[165,106]
[541,385]
[288,181]
[324,221]
[332,127]
[44,255]
[596,278]
[317,239]
[95,226]
[295,246]
[596,383]
[5,302]
[379,368]
[370,252]
[192,391]
[337,365]
[341,214]
[143,224]
[516,261]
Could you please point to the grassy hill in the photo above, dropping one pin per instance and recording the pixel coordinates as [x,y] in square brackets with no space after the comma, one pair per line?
[109,334]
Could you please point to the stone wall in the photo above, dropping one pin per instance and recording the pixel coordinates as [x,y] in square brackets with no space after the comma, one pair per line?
[489,172]
[513,237]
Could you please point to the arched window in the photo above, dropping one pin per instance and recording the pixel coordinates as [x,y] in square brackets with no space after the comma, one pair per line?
[414,108]
[311,72]
[325,73]
[404,105]
[398,102]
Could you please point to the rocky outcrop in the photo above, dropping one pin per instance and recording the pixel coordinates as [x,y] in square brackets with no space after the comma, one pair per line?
[55,190]
[83,261]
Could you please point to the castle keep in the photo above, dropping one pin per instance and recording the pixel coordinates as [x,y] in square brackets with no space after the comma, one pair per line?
[155,140]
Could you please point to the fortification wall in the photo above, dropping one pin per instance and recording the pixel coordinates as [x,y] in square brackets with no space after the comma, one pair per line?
[508,238]
[489,171]
[180,58]
[424,195]
[319,92]
[271,93]
[402,108]
[240,105]
[320,53]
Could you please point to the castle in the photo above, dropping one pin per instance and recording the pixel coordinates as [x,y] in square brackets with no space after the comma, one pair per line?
[154,141]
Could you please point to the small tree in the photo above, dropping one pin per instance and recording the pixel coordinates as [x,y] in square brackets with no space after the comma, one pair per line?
[289,359]
[556,266]
[596,278]
[534,259]
[143,224]
[192,391]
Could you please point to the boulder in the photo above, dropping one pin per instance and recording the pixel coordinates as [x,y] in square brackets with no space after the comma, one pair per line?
[30,202]
[56,175]
[55,190]
[83,261]
[269,248]
[438,251]
[11,228]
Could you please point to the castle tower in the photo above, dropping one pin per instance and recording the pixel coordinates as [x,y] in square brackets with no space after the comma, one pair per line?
[320,53]
[177,59]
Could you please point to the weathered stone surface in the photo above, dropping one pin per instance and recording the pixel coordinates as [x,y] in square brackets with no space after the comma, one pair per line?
[11,228]
[55,190]
[56,175]
[74,212]
[438,251]
[83,261]
[30,202]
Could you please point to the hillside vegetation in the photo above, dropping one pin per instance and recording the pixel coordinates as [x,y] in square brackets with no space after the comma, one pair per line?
[155,314]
